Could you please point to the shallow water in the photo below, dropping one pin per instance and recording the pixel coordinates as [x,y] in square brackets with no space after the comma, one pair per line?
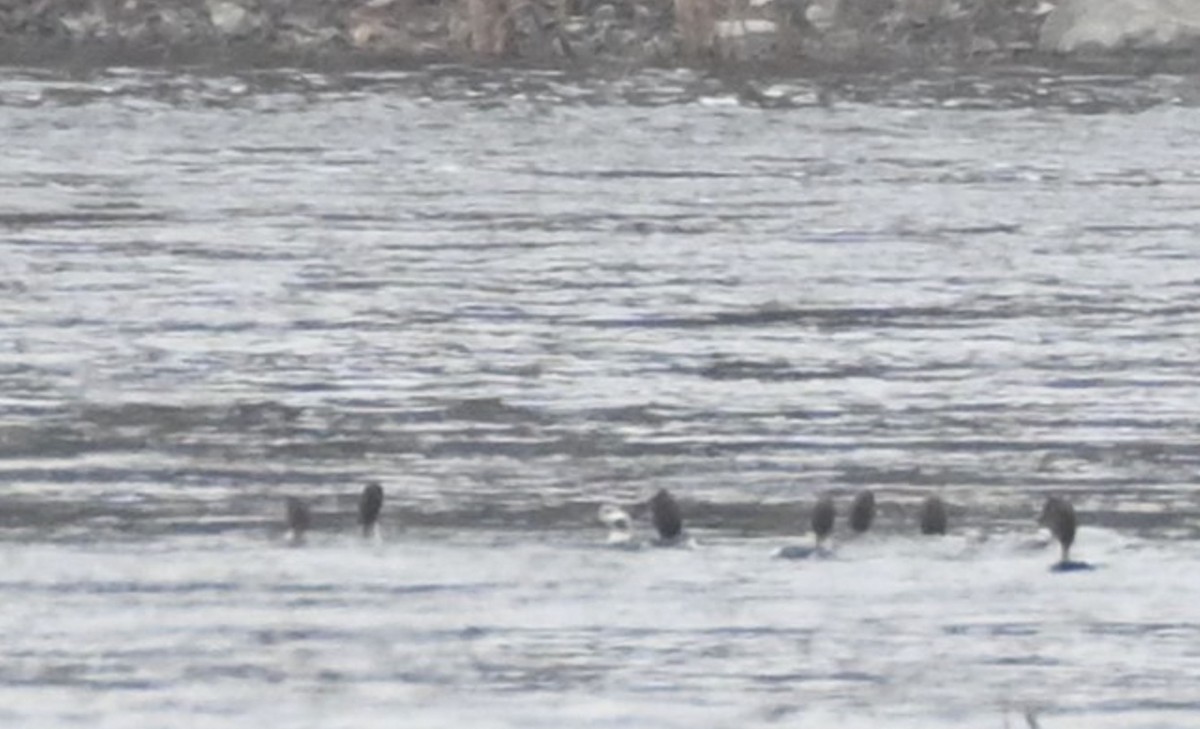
[514,296]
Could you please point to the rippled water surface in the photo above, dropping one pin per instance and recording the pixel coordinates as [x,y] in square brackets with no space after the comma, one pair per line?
[512,297]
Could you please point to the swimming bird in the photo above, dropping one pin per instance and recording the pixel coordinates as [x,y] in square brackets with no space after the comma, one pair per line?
[862,511]
[620,525]
[1059,517]
[369,506]
[615,517]
[666,515]
[933,515]
[822,526]
[822,518]
[299,520]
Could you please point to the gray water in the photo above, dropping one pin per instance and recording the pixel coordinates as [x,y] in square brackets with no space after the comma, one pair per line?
[514,296]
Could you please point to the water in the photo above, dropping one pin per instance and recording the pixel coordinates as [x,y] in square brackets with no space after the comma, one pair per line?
[512,297]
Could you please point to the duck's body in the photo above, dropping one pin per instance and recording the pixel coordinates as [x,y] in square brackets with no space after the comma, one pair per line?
[1058,515]
[298,519]
[933,515]
[370,503]
[667,517]
[823,517]
[862,511]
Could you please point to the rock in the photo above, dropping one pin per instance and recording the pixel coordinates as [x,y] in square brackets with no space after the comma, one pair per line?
[230,19]
[924,12]
[643,15]
[981,46]
[371,27]
[165,26]
[378,36]
[604,15]
[635,31]
[624,39]
[822,14]
[485,27]
[753,38]
[1110,25]
[535,32]
[660,48]
[300,33]
[695,21]
[84,25]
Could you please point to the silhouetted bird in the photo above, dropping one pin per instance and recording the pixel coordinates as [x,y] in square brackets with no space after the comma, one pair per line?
[1059,517]
[369,505]
[298,518]
[862,511]
[668,519]
[1031,719]
[822,517]
[933,515]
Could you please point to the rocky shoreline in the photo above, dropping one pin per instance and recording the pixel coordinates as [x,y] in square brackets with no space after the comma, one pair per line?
[814,33]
